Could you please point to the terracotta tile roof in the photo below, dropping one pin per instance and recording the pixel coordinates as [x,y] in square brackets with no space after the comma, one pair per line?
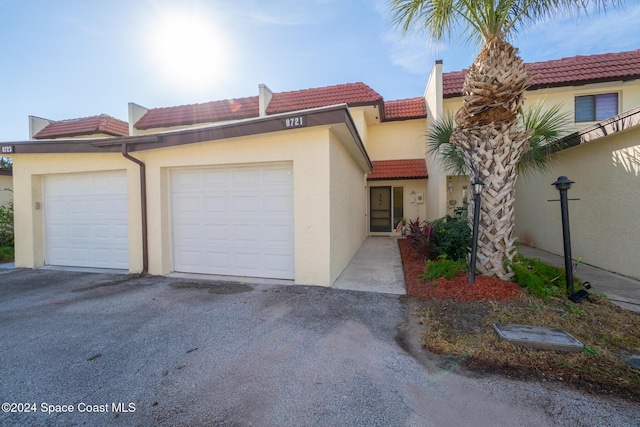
[399,169]
[102,124]
[215,111]
[403,109]
[576,70]
[352,94]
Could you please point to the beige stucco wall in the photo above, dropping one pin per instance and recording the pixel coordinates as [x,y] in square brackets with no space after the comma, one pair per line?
[604,222]
[311,151]
[397,140]
[6,182]
[28,173]
[347,207]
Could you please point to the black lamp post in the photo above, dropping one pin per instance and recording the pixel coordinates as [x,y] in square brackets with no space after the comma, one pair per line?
[478,186]
[563,184]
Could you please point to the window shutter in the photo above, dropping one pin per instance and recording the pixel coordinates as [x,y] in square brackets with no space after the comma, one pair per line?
[585,108]
[606,106]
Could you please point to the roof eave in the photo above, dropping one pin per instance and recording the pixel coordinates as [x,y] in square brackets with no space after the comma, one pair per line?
[322,116]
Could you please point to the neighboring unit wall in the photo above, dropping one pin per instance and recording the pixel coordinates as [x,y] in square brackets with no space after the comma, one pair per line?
[628,97]
[348,204]
[604,222]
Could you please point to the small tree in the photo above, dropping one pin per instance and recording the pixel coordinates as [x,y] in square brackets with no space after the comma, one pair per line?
[5,163]
[6,225]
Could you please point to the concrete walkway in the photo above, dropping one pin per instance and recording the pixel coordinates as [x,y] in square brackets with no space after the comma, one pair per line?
[376,267]
[621,290]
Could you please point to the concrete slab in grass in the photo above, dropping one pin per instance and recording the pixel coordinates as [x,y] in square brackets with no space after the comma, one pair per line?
[538,337]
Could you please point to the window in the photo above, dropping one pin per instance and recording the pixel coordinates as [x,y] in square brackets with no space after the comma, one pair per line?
[591,108]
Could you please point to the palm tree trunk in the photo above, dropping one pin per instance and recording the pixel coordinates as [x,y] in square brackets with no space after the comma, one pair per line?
[492,144]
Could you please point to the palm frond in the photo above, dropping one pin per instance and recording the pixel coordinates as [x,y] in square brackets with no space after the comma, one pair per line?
[439,145]
[549,126]
[480,20]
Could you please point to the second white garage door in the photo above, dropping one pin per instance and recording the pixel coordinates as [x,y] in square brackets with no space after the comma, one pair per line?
[233,221]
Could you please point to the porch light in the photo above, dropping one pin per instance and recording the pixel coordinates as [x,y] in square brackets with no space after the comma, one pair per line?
[478,187]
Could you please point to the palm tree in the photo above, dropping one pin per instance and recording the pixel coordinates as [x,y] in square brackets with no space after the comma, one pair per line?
[487,131]
[549,126]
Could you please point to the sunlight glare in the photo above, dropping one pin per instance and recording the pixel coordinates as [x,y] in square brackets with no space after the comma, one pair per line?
[187,50]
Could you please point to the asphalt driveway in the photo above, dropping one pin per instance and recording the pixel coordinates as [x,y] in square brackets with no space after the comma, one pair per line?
[122,350]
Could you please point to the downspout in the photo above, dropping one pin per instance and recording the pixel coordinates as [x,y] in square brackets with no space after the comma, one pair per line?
[143,201]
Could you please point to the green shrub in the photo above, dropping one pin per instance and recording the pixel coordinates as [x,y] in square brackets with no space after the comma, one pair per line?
[541,279]
[443,267]
[6,225]
[451,237]
[6,254]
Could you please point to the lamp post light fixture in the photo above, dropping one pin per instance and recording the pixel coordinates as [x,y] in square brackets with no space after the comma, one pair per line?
[478,186]
[563,184]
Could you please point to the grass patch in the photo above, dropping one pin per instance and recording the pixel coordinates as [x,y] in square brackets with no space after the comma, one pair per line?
[443,267]
[541,279]
[610,334]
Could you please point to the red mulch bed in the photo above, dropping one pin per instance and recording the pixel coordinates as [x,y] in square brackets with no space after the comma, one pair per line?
[458,288]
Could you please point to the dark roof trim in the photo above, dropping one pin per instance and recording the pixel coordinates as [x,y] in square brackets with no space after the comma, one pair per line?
[399,178]
[323,116]
[615,124]
[6,171]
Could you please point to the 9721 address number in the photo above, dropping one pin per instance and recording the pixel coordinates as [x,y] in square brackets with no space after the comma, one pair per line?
[294,122]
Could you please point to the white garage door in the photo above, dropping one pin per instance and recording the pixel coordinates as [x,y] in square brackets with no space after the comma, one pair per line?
[86,220]
[233,221]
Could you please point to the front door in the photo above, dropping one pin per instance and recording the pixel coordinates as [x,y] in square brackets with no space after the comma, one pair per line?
[380,209]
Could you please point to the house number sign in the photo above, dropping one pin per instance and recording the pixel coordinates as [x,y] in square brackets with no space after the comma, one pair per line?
[295,122]
[6,149]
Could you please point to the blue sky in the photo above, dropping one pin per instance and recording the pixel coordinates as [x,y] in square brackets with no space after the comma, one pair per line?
[64,59]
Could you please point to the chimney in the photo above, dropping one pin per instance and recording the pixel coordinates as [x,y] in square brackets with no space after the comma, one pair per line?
[135,114]
[36,124]
[264,98]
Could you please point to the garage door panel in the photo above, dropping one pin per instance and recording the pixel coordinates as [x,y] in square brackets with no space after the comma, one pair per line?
[86,220]
[277,176]
[243,214]
[217,261]
[188,204]
[217,233]
[246,177]
[188,257]
[246,206]
[278,263]
[215,178]
[216,205]
[78,231]
[278,205]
